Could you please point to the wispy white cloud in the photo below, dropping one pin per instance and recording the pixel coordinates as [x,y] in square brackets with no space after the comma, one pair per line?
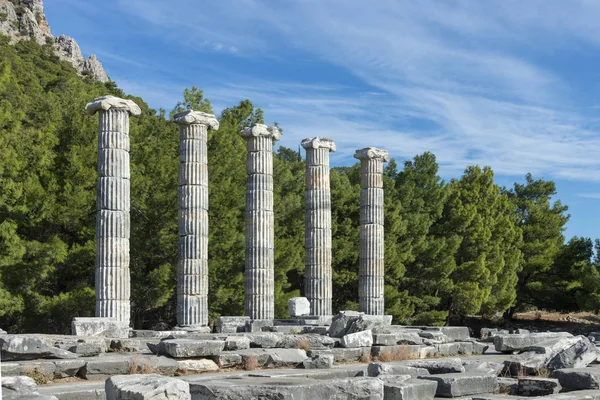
[589,195]
[462,79]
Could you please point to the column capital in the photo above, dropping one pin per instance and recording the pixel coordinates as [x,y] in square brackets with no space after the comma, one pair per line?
[257,130]
[190,117]
[318,143]
[372,153]
[107,102]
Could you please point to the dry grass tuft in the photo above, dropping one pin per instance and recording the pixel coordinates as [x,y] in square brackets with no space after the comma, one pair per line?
[397,354]
[543,372]
[250,363]
[303,344]
[366,357]
[38,376]
[137,366]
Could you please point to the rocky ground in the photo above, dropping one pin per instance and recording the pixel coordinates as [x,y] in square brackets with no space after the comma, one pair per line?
[349,356]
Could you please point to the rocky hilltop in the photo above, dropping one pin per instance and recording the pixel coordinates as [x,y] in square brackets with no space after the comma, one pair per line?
[25,19]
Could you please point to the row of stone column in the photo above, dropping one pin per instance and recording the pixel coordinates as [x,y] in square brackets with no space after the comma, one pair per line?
[112,226]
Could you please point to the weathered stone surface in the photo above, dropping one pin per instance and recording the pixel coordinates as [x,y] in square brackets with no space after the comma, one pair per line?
[185,348]
[417,389]
[3,332]
[298,306]
[142,387]
[507,385]
[536,386]
[284,357]
[456,333]
[288,388]
[441,366]
[259,325]
[199,365]
[68,368]
[342,355]
[105,366]
[231,324]
[399,351]
[265,339]
[486,367]
[99,326]
[320,361]
[237,343]
[25,347]
[358,339]
[18,386]
[307,341]
[398,337]
[435,337]
[87,349]
[228,359]
[479,348]
[372,322]
[517,342]
[377,369]
[463,384]
[124,345]
[340,323]
[566,352]
[578,378]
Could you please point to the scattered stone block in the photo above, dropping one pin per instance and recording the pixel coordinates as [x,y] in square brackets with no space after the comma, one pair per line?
[369,322]
[228,360]
[463,384]
[397,352]
[186,348]
[518,342]
[149,334]
[318,330]
[507,385]
[237,343]
[433,337]
[104,367]
[231,324]
[124,345]
[265,340]
[142,387]
[377,369]
[358,339]
[18,386]
[320,361]
[410,389]
[340,323]
[307,342]
[195,366]
[25,347]
[578,378]
[485,367]
[67,368]
[479,348]
[259,325]
[440,366]
[537,386]
[343,355]
[298,306]
[284,357]
[450,349]
[87,349]
[397,337]
[455,333]
[99,326]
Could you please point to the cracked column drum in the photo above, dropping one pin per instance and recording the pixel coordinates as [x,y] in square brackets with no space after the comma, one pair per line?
[371,247]
[317,275]
[192,269]
[112,276]
[260,224]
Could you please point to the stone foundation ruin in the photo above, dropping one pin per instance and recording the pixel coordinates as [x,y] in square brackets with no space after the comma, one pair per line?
[315,354]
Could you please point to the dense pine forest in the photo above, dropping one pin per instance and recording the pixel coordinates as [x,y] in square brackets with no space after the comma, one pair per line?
[453,248]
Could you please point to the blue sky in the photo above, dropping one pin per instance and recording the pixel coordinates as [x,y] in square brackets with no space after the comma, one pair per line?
[510,84]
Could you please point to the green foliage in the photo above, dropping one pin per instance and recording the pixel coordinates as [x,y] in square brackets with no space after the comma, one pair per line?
[452,249]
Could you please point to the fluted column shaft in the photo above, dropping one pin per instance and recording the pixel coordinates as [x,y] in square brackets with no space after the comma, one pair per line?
[317,274]
[371,250]
[260,223]
[112,277]
[192,268]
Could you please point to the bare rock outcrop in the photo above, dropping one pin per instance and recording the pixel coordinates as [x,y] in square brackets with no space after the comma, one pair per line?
[25,19]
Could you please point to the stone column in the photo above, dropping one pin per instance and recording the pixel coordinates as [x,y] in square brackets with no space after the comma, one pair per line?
[371,251]
[317,276]
[260,223]
[112,205]
[192,270]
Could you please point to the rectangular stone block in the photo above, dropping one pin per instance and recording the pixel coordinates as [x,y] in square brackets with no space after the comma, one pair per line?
[188,348]
[372,196]
[318,255]
[231,324]
[317,177]
[372,215]
[96,326]
[259,200]
[317,199]
[319,218]
[193,284]
[191,173]
[192,267]
[259,281]
[260,143]
[260,306]
[317,157]
[318,238]
[112,283]
[192,247]
[371,266]
[259,182]
[113,120]
[113,162]
[463,384]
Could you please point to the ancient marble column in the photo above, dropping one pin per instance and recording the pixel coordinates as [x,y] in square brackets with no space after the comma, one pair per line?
[317,276]
[112,205]
[371,251]
[260,223]
[192,269]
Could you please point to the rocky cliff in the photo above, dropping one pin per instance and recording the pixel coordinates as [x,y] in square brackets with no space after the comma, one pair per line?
[25,19]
